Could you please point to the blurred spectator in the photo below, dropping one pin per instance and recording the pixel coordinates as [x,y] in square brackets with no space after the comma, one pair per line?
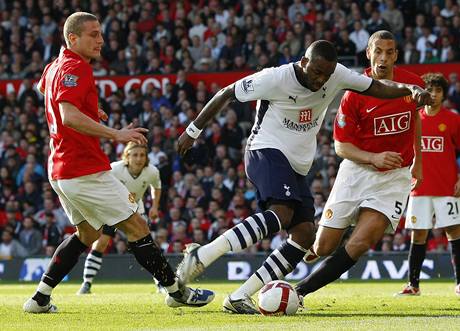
[400,243]
[51,233]
[425,42]
[10,247]
[394,17]
[30,238]
[360,36]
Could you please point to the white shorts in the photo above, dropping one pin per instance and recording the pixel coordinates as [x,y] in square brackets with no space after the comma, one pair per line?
[98,199]
[360,186]
[421,209]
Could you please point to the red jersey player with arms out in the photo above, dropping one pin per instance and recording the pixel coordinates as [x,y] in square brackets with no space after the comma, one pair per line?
[376,139]
[439,193]
[79,170]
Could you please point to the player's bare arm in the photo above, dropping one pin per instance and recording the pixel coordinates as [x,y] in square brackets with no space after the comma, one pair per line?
[75,119]
[217,103]
[417,169]
[384,160]
[156,194]
[387,89]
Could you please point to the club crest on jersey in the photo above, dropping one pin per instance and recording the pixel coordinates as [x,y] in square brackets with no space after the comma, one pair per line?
[328,214]
[432,144]
[305,116]
[413,219]
[247,85]
[70,80]
[392,124]
[132,197]
[442,127]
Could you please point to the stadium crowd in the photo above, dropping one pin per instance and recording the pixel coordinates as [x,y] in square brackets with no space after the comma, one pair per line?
[206,192]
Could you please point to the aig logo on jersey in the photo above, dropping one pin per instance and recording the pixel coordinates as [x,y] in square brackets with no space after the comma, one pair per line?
[305,116]
[392,124]
[432,144]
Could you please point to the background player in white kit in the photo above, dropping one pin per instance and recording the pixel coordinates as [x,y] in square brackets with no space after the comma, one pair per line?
[440,189]
[135,172]
[292,102]
[376,139]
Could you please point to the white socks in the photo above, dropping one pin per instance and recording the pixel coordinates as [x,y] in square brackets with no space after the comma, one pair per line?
[212,251]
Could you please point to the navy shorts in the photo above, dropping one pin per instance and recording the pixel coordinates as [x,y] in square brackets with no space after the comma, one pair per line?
[273,177]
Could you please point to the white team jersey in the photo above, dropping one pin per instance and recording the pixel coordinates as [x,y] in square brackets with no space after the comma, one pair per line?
[289,115]
[149,176]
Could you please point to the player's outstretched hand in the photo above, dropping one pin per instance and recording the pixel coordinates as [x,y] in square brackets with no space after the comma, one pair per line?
[387,160]
[420,96]
[184,144]
[130,133]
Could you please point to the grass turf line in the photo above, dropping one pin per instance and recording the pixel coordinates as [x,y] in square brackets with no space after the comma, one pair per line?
[131,306]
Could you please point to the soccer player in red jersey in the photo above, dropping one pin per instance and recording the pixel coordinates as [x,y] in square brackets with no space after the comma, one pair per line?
[79,170]
[439,193]
[376,139]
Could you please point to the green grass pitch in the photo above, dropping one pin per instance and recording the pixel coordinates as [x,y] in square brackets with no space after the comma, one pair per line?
[137,306]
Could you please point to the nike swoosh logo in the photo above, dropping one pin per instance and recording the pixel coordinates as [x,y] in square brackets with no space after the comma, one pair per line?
[370,109]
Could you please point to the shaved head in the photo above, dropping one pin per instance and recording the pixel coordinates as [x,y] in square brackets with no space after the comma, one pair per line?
[323,49]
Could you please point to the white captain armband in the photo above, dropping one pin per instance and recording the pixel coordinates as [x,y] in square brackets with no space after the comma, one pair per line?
[193,131]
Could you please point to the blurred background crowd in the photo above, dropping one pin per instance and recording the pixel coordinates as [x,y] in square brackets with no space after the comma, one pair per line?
[206,192]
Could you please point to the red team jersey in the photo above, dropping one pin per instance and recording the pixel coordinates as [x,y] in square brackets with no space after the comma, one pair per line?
[440,140]
[379,125]
[70,79]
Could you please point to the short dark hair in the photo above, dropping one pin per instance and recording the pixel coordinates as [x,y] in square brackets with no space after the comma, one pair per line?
[322,48]
[381,34]
[437,79]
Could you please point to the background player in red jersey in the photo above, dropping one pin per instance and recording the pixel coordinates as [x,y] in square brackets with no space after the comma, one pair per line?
[79,170]
[376,139]
[439,192]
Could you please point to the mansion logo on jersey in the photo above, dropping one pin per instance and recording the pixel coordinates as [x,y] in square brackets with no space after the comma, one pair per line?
[392,124]
[291,125]
[432,144]
[305,116]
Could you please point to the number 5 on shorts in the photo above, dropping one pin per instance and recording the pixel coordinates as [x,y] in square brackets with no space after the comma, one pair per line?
[398,207]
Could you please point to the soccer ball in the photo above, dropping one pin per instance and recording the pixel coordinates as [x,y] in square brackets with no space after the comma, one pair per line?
[278,298]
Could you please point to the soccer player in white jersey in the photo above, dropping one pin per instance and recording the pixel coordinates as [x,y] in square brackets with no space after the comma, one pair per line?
[292,102]
[379,140]
[135,172]
[440,190]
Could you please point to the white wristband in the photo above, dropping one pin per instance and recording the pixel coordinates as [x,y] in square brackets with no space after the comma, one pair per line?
[193,131]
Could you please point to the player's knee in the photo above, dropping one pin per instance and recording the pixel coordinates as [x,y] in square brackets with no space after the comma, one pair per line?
[283,212]
[323,248]
[358,247]
[303,234]
[136,226]
[88,237]
[419,237]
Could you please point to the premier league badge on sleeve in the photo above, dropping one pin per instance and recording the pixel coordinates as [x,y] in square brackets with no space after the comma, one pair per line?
[70,80]
[341,120]
[247,86]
